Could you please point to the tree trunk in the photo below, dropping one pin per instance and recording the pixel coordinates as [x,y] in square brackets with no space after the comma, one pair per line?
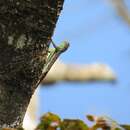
[25,30]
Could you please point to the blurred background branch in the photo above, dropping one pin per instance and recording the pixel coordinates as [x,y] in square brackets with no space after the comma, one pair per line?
[122,10]
[78,72]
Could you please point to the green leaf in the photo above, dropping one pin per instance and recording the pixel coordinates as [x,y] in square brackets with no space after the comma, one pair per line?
[71,124]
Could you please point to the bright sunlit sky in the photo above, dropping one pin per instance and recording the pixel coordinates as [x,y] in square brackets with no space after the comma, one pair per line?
[96,34]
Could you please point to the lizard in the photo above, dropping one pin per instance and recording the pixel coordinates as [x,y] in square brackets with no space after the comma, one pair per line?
[52,56]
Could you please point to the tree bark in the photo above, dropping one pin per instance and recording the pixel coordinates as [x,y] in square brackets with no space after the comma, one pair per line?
[25,30]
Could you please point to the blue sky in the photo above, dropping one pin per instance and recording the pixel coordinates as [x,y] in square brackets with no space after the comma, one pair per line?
[96,34]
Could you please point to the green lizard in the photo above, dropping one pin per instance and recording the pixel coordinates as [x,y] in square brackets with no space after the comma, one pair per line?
[53,55]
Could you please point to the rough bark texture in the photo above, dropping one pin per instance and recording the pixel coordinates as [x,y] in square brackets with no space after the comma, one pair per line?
[25,29]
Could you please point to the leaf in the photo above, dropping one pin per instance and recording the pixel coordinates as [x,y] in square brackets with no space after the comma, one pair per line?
[104,122]
[49,121]
[126,127]
[73,124]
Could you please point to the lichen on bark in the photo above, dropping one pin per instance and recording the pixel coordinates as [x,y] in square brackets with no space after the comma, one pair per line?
[25,30]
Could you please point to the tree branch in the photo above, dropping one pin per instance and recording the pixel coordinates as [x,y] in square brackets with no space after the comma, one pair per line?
[79,73]
[122,10]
